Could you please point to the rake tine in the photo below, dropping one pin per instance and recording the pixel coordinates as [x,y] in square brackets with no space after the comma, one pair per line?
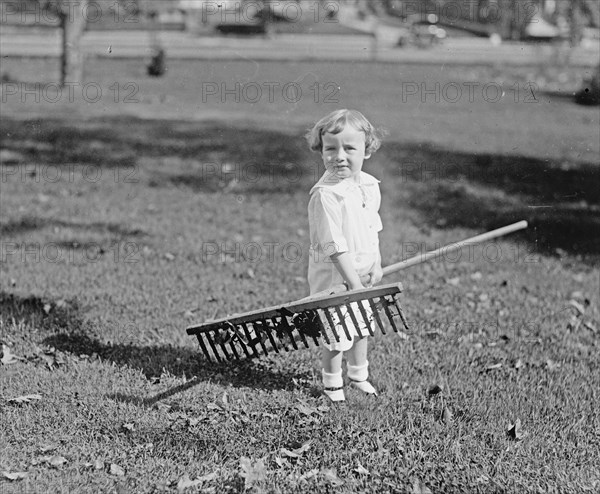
[286,331]
[401,312]
[376,314]
[285,314]
[354,320]
[203,346]
[331,324]
[249,339]
[267,330]
[225,352]
[322,329]
[243,343]
[231,337]
[343,321]
[365,317]
[290,328]
[214,348]
[386,304]
[280,336]
[259,335]
[233,349]
[302,337]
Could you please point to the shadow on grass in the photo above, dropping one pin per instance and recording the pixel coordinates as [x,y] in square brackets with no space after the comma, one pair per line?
[30,223]
[447,188]
[257,159]
[60,325]
[484,191]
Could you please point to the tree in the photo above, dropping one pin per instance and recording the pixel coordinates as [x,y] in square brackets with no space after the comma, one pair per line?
[72,22]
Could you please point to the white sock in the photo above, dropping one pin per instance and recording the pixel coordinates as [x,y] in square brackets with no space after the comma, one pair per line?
[335,383]
[358,375]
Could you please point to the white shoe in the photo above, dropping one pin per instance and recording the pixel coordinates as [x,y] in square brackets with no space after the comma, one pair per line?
[365,387]
[335,394]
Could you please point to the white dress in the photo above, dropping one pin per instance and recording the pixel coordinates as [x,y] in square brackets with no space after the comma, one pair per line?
[343,216]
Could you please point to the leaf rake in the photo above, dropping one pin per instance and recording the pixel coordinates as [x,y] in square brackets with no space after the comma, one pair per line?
[294,325]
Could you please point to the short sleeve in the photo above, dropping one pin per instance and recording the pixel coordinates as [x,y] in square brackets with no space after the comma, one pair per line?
[325,218]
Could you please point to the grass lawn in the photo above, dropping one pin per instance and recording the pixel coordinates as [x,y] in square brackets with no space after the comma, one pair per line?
[124,222]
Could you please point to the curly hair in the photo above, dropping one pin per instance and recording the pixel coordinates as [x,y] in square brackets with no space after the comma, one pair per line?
[336,121]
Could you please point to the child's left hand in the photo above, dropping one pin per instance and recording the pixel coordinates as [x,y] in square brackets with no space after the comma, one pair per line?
[375,276]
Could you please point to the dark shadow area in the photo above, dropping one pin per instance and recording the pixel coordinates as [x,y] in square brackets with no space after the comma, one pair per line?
[225,158]
[452,189]
[481,191]
[30,223]
[60,325]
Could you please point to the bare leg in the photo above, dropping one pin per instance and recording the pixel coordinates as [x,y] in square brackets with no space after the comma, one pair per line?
[358,367]
[332,374]
[332,361]
[357,355]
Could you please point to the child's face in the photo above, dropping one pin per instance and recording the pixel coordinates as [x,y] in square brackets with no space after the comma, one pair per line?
[344,153]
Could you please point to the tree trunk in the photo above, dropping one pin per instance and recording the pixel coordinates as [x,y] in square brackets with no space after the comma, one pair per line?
[72,23]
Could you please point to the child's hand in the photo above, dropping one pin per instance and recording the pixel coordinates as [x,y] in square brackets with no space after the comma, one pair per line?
[375,276]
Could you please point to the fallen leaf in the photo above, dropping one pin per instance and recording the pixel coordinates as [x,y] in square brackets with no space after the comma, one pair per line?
[419,487]
[57,460]
[185,482]
[14,475]
[169,256]
[453,281]
[8,357]
[50,360]
[47,448]
[128,426]
[518,364]
[252,472]
[25,398]
[297,452]
[331,476]
[116,470]
[578,307]
[361,470]
[493,367]
[447,415]
[47,308]
[208,477]
[515,431]
[308,475]
[305,409]
[250,273]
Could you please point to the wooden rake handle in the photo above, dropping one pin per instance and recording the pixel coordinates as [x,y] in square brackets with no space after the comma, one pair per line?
[477,239]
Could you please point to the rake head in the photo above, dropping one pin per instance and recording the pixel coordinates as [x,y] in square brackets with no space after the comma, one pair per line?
[293,326]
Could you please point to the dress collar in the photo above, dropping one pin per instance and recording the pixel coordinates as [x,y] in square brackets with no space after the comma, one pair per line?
[344,186]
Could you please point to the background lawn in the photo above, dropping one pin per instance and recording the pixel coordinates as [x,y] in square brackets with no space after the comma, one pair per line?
[127,219]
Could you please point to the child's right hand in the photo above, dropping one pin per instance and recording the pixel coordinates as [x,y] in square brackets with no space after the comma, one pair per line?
[365,279]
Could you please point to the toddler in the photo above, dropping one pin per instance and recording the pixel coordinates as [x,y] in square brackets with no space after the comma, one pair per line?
[344,225]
